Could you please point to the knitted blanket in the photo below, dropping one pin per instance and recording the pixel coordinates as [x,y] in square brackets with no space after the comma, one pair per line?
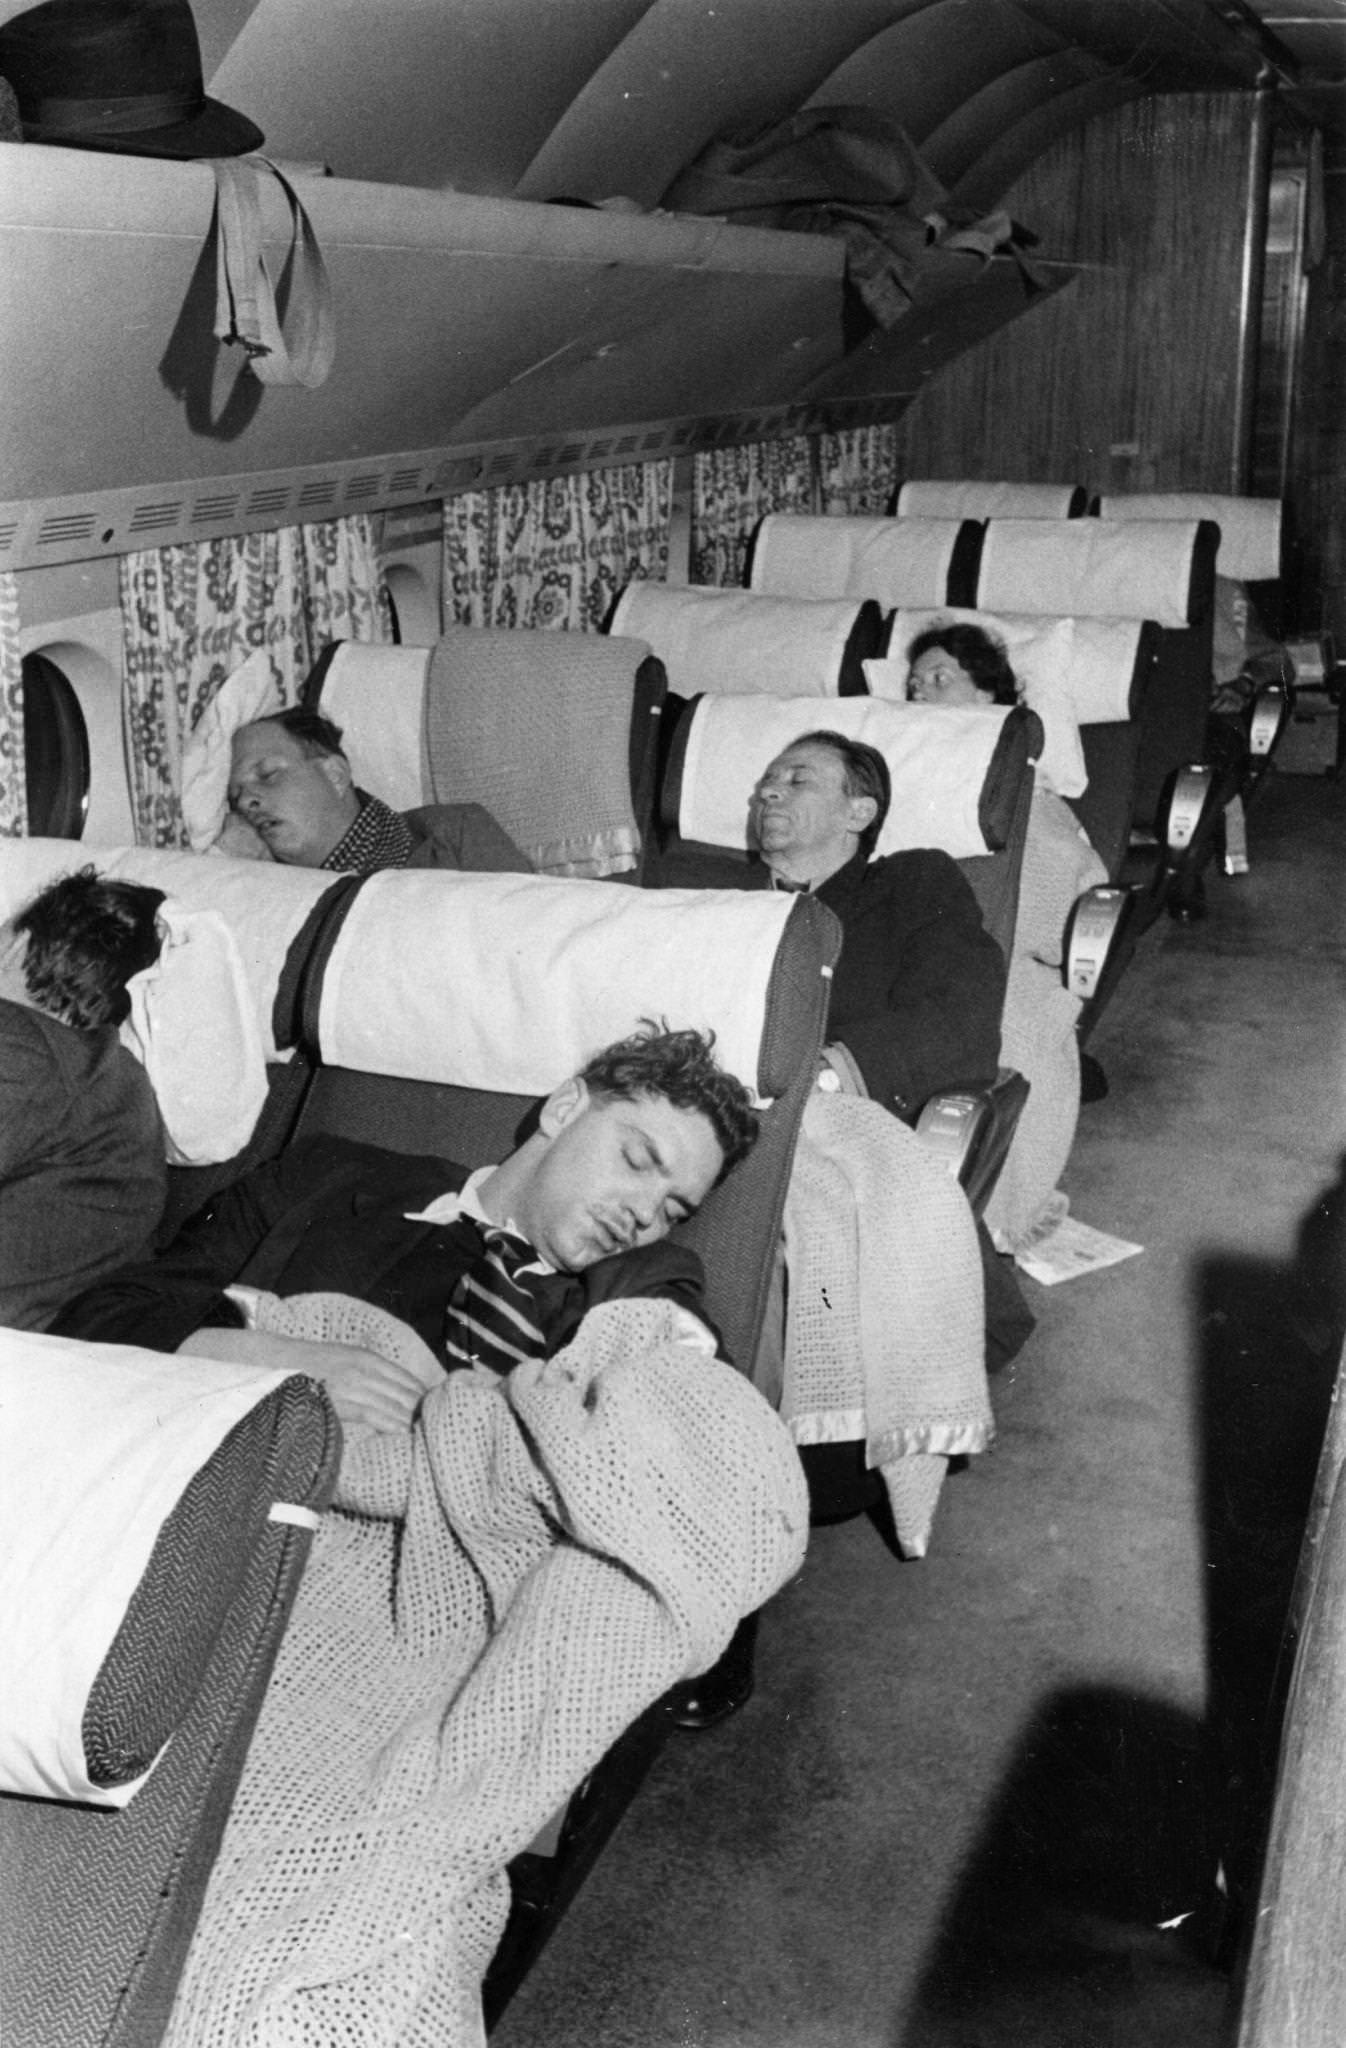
[1037,1035]
[575,1540]
[884,1336]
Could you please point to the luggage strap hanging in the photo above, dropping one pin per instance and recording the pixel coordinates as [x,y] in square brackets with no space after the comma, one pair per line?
[245,298]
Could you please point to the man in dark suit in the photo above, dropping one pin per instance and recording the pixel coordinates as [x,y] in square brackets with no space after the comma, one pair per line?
[918,990]
[623,1151]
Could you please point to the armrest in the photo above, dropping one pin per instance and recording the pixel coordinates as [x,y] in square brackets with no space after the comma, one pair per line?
[1267,718]
[970,1129]
[1093,937]
[1187,809]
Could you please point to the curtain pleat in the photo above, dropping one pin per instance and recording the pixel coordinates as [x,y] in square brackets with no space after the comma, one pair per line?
[192,613]
[13,788]
[733,489]
[556,551]
[857,471]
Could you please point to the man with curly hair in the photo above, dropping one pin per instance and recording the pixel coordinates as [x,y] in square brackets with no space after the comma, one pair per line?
[620,1153]
[82,1174]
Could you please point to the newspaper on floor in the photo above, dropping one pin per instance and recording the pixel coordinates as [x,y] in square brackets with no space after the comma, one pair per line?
[1062,1248]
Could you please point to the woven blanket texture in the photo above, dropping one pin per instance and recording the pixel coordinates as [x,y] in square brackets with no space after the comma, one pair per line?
[884,1337]
[577,1539]
[1038,1027]
[560,787]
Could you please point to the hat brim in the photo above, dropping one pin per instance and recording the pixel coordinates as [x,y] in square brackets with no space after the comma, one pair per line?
[216,130]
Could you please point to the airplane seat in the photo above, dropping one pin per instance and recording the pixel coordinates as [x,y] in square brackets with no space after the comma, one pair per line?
[401,1048]
[962,783]
[1253,672]
[99,1901]
[982,498]
[717,642]
[1144,569]
[473,719]
[393,1062]
[216,1030]
[1087,680]
[893,561]
[964,789]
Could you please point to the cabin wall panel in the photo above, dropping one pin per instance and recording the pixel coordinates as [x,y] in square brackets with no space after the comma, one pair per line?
[1318,456]
[1127,381]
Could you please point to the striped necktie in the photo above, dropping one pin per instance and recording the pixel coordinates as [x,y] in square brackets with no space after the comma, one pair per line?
[492,1317]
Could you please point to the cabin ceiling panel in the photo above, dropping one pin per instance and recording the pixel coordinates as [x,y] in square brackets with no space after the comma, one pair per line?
[687,73]
[1037,87]
[1000,166]
[910,71]
[435,93]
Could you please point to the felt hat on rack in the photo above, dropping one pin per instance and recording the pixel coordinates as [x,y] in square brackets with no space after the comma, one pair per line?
[120,75]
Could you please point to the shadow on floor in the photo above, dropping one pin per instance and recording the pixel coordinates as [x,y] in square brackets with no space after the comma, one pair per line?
[1270,1340]
[1057,1938]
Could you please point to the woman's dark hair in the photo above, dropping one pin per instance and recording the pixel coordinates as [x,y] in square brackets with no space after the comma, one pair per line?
[87,936]
[978,652]
[680,1066]
[865,772]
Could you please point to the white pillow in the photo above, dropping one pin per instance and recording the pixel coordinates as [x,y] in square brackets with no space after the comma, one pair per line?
[249,691]
[1041,651]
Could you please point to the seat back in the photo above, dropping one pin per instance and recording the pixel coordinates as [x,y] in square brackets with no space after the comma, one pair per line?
[474,719]
[410,1051]
[1163,571]
[980,498]
[893,561]
[98,1907]
[723,642]
[1251,534]
[962,782]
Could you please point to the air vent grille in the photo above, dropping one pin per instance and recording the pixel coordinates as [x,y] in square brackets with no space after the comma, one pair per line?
[7,533]
[154,518]
[63,527]
[319,493]
[403,480]
[274,499]
[359,488]
[211,510]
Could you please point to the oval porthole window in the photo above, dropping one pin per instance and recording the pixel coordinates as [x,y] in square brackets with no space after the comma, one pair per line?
[56,752]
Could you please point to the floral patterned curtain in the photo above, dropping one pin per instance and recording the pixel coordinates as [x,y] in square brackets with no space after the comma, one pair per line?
[857,471]
[556,551]
[733,488]
[13,789]
[192,613]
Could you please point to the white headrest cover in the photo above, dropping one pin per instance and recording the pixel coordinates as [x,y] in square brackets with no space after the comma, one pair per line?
[1250,528]
[738,642]
[511,982]
[896,561]
[376,694]
[100,1442]
[934,498]
[937,759]
[263,903]
[1088,568]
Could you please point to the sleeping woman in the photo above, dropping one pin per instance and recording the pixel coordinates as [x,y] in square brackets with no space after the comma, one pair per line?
[963,665]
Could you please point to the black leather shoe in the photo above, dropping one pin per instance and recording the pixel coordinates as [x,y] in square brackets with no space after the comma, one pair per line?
[723,1689]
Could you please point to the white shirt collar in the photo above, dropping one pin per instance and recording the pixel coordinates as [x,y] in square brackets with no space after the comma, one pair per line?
[467,1202]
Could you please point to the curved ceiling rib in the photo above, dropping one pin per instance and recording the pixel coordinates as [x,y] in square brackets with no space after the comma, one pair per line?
[920,70]
[1019,145]
[956,149]
[435,93]
[685,74]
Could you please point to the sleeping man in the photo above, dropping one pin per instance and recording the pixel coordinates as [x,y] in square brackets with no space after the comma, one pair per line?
[289,779]
[487,1267]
